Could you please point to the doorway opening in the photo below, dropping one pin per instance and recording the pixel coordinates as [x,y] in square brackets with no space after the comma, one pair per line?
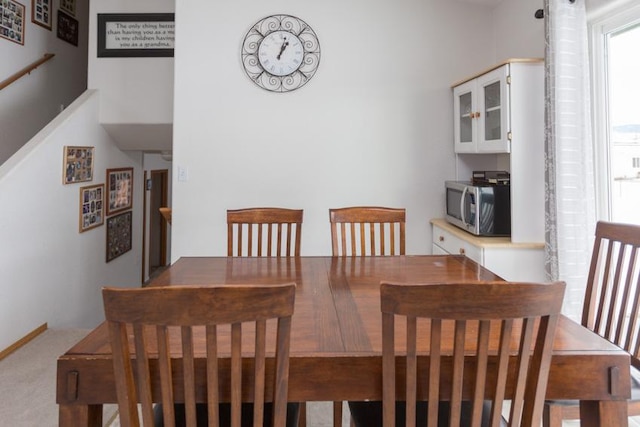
[158,188]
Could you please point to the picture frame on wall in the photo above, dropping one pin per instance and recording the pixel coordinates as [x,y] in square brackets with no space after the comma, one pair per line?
[91,207]
[41,13]
[77,164]
[12,21]
[117,35]
[68,6]
[119,190]
[67,28]
[118,235]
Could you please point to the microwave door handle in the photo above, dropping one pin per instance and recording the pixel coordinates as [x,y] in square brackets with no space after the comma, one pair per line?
[462,204]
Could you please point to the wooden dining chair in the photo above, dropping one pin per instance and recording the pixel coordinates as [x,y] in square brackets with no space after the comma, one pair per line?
[264,232]
[155,331]
[362,231]
[611,307]
[367,230]
[507,328]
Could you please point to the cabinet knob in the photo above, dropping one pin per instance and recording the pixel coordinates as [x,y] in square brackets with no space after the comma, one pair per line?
[472,115]
[462,252]
[477,115]
[441,239]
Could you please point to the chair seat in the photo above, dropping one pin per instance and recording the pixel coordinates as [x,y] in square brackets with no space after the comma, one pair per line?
[369,414]
[293,410]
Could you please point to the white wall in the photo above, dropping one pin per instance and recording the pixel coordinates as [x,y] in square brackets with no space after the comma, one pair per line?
[133,90]
[373,127]
[28,104]
[518,34]
[51,273]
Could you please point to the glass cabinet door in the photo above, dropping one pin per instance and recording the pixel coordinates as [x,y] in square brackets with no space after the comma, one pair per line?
[464,114]
[493,115]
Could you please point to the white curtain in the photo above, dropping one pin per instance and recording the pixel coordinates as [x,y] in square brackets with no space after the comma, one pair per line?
[569,163]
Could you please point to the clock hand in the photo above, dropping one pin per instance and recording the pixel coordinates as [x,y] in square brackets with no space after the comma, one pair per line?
[282,48]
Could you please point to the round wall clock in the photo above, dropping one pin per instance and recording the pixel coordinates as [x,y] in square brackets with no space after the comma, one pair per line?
[280,53]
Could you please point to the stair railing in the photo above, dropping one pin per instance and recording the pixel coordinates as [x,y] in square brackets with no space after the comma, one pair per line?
[26,70]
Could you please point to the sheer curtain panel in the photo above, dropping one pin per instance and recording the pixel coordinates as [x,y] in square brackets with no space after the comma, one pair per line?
[570,190]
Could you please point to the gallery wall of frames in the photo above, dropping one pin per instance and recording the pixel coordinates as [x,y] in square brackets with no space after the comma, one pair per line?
[109,201]
[13,17]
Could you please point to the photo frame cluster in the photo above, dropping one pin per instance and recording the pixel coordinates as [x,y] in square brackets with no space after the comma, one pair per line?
[91,207]
[12,21]
[118,235]
[41,13]
[78,164]
[111,202]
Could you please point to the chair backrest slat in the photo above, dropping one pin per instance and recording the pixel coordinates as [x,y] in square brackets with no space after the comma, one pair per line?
[367,230]
[181,312]
[270,232]
[478,319]
[612,295]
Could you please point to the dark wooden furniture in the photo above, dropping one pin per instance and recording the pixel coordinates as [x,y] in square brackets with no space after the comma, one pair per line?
[367,230]
[469,313]
[362,231]
[336,340]
[263,228]
[163,320]
[166,214]
[611,306]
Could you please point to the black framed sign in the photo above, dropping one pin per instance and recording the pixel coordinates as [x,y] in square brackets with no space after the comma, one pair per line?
[135,35]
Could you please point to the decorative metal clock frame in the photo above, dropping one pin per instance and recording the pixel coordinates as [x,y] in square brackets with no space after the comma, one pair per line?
[276,37]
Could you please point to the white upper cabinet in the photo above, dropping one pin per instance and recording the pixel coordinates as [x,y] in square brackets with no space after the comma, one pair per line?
[499,125]
[481,112]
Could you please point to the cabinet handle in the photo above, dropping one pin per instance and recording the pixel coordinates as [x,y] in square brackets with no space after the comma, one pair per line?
[441,239]
[462,252]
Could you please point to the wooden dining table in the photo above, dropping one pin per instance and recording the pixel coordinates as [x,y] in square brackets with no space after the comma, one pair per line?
[336,338]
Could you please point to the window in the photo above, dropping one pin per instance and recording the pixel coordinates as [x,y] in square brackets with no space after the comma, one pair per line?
[616,99]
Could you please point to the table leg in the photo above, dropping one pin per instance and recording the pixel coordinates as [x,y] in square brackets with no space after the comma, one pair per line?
[605,413]
[80,415]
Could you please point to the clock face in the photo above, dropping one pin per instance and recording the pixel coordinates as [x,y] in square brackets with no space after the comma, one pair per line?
[280,53]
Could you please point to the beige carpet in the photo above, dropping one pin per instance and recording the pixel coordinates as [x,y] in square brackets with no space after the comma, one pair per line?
[28,385]
[28,380]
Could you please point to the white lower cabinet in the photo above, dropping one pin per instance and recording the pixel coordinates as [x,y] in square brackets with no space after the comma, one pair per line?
[511,261]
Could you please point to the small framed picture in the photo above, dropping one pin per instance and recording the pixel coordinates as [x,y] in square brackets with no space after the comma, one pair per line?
[67,28]
[77,164]
[41,13]
[118,235]
[119,190]
[91,207]
[68,6]
[12,21]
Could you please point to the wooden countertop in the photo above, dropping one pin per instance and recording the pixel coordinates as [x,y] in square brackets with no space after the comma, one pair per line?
[484,242]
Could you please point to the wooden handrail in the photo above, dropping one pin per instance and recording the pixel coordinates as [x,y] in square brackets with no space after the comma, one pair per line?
[26,70]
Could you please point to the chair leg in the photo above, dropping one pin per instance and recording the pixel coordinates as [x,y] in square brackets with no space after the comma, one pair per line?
[302,418]
[337,414]
[552,416]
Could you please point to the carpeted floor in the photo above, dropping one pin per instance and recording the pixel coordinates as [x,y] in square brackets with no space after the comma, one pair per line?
[28,380]
[28,385]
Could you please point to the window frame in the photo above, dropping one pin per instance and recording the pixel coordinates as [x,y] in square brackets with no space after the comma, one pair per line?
[599,29]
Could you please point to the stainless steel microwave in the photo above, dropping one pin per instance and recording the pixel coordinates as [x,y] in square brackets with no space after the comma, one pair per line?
[483,210]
